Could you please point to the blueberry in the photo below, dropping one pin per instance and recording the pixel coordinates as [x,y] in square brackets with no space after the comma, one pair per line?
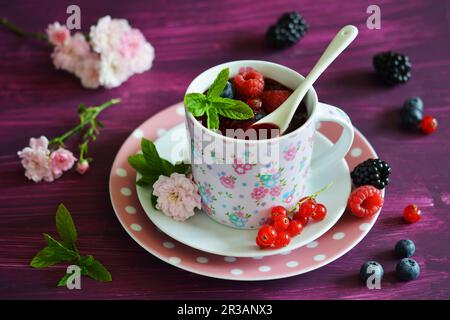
[369,268]
[407,269]
[405,248]
[414,102]
[410,117]
[228,92]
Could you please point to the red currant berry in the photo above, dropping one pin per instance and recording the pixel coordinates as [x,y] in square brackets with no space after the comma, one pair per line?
[282,239]
[307,208]
[279,211]
[320,213]
[266,236]
[412,213]
[295,228]
[280,223]
[304,221]
[428,124]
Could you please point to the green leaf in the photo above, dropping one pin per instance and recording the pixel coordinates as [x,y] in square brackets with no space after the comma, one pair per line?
[154,200]
[233,109]
[59,249]
[213,118]
[66,227]
[196,103]
[63,281]
[145,181]
[138,162]
[94,269]
[219,83]
[169,168]
[182,168]
[151,156]
[45,258]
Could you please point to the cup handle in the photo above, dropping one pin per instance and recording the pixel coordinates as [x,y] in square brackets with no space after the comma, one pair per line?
[326,112]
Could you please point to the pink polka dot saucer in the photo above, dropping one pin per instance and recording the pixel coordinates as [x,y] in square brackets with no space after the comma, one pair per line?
[337,241]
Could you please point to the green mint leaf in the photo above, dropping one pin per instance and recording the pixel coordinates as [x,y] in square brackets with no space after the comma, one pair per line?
[63,281]
[152,157]
[46,258]
[182,168]
[138,162]
[196,103]
[154,200]
[169,168]
[59,249]
[94,269]
[233,109]
[66,227]
[219,83]
[213,118]
[145,181]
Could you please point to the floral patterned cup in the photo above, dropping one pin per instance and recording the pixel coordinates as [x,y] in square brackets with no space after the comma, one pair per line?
[240,180]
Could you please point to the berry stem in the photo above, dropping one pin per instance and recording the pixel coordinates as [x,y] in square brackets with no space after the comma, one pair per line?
[313,196]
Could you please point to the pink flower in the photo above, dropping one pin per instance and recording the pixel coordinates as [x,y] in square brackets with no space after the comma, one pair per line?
[82,166]
[36,160]
[275,191]
[88,71]
[177,196]
[57,34]
[61,160]
[290,153]
[74,51]
[259,193]
[227,181]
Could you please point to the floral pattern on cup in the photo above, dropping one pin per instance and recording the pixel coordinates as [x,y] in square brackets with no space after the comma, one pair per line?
[241,168]
[228,181]
[269,185]
[208,199]
[238,217]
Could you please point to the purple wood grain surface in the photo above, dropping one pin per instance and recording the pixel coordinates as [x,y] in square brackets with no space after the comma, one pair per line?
[189,37]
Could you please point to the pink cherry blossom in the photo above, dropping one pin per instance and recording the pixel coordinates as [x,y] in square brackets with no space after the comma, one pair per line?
[68,56]
[259,193]
[177,196]
[57,34]
[82,167]
[61,160]
[36,160]
[227,181]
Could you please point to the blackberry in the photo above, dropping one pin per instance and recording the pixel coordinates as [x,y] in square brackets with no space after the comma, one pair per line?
[392,67]
[288,30]
[374,172]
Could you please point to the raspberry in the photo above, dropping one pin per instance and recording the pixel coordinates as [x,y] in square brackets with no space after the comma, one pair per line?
[249,83]
[272,99]
[365,201]
[255,104]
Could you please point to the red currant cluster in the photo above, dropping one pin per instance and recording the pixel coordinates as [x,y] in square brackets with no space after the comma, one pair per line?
[280,228]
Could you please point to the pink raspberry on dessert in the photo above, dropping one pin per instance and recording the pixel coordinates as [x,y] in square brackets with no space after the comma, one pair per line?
[272,99]
[249,83]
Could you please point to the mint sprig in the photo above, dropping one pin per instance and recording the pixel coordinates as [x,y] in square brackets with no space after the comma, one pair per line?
[66,251]
[151,166]
[213,105]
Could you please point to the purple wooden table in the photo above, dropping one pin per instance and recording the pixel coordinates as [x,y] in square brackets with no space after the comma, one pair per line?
[190,37]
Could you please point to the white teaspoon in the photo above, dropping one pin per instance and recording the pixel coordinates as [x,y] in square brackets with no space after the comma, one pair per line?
[282,116]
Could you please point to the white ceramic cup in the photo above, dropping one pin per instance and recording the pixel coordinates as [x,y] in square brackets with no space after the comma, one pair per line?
[240,193]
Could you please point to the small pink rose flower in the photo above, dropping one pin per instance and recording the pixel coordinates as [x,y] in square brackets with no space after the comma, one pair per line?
[227,181]
[82,167]
[259,193]
[36,160]
[61,160]
[275,191]
[290,154]
[177,196]
[58,35]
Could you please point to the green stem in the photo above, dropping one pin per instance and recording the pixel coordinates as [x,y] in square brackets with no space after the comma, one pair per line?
[22,33]
[313,196]
[91,114]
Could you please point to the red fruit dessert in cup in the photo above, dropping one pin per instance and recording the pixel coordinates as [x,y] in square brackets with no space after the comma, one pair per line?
[263,95]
